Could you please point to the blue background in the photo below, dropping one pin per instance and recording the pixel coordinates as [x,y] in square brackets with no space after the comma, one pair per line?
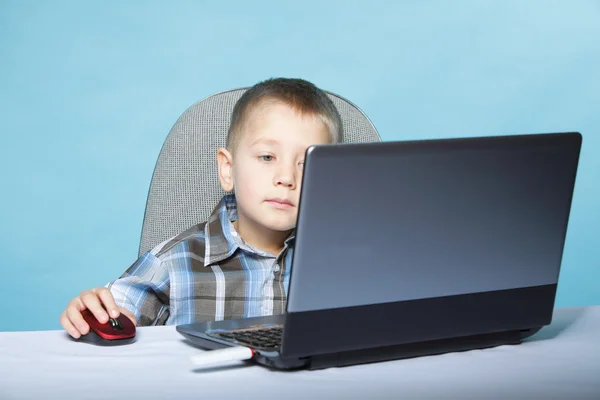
[89,91]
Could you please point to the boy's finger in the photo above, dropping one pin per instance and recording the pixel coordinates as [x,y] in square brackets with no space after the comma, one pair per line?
[108,301]
[77,303]
[75,318]
[92,302]
[68,326]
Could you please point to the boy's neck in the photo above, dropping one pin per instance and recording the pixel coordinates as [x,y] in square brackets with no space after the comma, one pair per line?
[261,238]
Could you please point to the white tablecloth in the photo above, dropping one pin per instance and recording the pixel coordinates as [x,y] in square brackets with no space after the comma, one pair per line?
[562,361]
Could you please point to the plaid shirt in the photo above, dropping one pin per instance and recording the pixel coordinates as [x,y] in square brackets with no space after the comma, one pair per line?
[205,273]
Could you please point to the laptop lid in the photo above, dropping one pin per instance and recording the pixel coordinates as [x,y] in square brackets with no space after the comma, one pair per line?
[392,230]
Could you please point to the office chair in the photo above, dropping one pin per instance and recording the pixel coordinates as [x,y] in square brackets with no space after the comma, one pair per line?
[185,186]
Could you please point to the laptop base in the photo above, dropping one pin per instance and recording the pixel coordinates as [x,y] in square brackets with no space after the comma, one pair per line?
[410,350]
[379,354]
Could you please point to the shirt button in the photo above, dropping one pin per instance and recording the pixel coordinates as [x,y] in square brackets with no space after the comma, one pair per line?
[276,268]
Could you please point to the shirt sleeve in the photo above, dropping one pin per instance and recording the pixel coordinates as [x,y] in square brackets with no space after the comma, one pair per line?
[143,289]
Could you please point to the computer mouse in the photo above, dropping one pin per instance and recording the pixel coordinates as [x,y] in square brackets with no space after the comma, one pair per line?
[116,331]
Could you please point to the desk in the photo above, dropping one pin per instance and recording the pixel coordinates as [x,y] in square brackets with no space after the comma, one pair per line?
[561,361]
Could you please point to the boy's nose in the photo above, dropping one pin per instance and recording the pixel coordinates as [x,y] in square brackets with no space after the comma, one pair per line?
[285,181]
[285,178]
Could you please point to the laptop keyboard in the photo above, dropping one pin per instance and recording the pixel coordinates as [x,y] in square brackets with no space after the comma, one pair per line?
[262,338]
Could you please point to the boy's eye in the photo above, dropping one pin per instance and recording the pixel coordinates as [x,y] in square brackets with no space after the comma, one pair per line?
[301,164]
[266,158]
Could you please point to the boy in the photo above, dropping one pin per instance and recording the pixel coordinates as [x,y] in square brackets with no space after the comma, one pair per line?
[235,265]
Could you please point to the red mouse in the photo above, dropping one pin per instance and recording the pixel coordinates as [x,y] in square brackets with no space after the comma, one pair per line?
[116,331]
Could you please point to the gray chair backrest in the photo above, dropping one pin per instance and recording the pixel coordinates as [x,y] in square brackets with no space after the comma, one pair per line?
[185,186]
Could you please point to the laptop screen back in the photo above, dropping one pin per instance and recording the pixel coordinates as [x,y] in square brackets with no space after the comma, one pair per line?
[395,221]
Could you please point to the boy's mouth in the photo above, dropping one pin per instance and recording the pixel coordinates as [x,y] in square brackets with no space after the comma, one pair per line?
[280,203]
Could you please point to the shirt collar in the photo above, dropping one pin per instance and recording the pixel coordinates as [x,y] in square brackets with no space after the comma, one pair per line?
[221,238]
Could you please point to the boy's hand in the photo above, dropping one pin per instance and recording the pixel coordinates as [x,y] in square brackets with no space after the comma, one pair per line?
[98,300]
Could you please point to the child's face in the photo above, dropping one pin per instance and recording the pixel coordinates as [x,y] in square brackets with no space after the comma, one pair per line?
[266,166]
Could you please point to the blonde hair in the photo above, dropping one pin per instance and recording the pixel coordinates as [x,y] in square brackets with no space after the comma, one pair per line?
[299,94]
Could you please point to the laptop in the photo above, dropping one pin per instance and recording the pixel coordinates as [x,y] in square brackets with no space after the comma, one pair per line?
[414,248]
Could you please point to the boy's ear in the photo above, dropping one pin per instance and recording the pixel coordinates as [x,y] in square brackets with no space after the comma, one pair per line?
[225,164]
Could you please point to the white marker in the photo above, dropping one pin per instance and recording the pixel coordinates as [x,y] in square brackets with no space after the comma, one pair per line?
[222,356]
